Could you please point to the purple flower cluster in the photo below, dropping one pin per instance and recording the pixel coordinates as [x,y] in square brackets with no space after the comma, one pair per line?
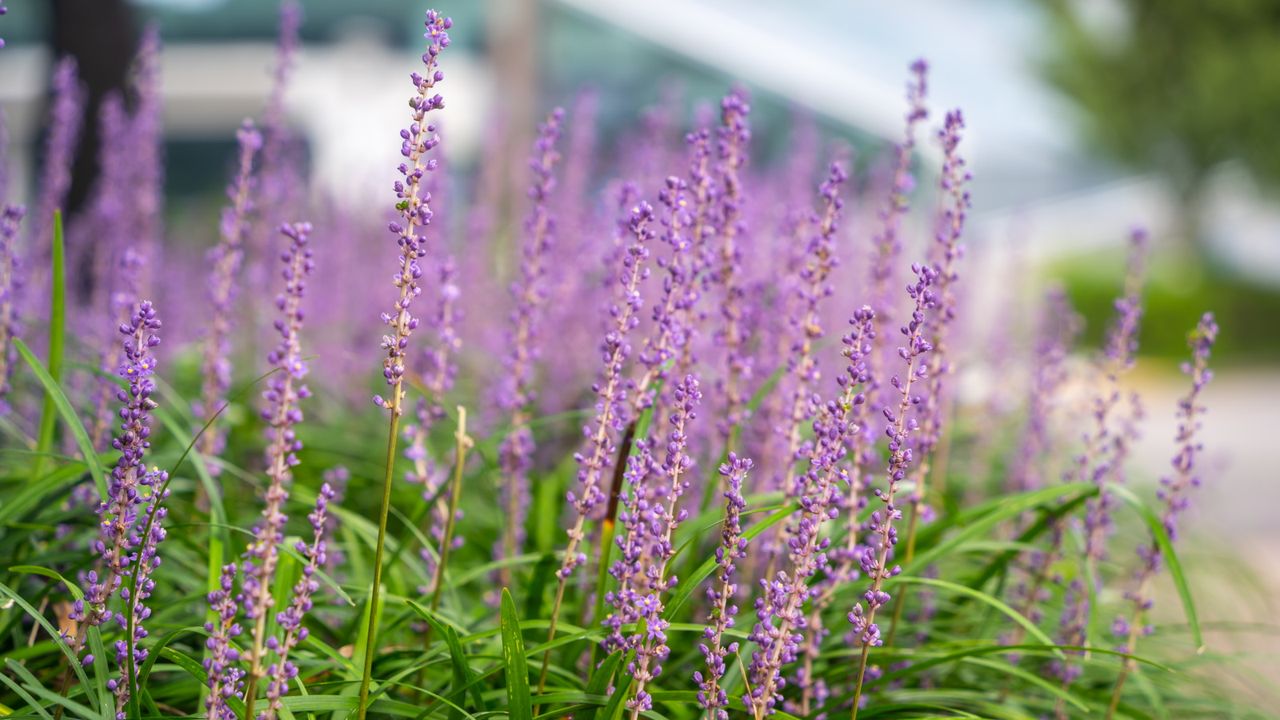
[778,632]
[902,425]
[60,145]
[944,254]
[720,596]
[224,676]
[117,542]
[226,258]
[734,137]
[132,514]
[806,326]
[628,569]
[1174,489]
[282,671]
[672,331]
[613,387]
[1056,330]
[517,393]
[10,285]
[415,212]
[887,243]
[118,261]
[281,413]
[660,517]
[1105,449]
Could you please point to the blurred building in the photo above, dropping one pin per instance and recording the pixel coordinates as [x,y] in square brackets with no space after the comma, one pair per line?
[843,61]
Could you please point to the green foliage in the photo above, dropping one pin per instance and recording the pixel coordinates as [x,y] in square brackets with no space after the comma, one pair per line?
[1177,293]
[468,658]
[1174,86]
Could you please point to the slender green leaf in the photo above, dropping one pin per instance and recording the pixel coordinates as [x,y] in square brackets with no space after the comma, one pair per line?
[463,675]
[600,681]
[57,399]
[1167,555]
[994,602]
[519,703]
[57,340]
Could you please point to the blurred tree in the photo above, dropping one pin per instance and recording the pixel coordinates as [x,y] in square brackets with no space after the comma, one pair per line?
[1174,86]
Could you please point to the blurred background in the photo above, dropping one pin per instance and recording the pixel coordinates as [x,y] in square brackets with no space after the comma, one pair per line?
[1086,118]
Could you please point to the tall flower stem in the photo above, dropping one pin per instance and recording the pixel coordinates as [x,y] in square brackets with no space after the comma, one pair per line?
[900,458]
[415,214]
[464,443]
[946,251]
[393,433]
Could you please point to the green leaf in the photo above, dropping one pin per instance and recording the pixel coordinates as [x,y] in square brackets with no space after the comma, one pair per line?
[39,618]
[1169,557]
[600,681]
[55,398]
[31,702]
[57,340]
[463,675]
[35,686]
[519,703]
[52,574]
[994,602]
[32,493]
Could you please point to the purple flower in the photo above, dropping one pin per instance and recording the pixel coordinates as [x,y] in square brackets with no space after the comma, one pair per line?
[902,425]
[944,254]
[1056,330]
[117,540]
[806,325]
[10,280]
[146,135]
[415,212]
[720,596]
[119,265]
[282,671]
[887,243]
[224,676]
[662,516]
[734,136]
[611,390]
[126,536]
[226,258]
[1105,449]
[60,145]
[779,609]
[280,182]
[517,393]
[634,516]
[284,391]
[1175,488]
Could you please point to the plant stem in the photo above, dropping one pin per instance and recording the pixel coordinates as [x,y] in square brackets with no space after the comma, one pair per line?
[464,444]
[371,630]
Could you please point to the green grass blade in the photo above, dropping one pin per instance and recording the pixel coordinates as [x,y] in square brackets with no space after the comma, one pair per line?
[519,703]
[600,681]
[57,340]
[1169,557]
[463,675]
[31,702]
[55,398]
[1014,615]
